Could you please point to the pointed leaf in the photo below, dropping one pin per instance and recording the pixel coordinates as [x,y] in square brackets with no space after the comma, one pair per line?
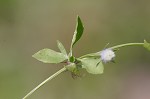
[147,45]
[49,56]
[61,48]
[93,66]
[78,31]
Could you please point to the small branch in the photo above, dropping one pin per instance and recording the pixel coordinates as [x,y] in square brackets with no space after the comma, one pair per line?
[45,81]
[127,44]
[97,54]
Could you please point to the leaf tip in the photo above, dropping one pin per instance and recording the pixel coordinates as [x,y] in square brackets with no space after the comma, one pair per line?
[79,21]
[146,45]
[57,41]
[34,55]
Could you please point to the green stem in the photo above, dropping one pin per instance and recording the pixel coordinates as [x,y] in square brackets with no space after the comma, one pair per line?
[97,54]
[127,44]
[45,81]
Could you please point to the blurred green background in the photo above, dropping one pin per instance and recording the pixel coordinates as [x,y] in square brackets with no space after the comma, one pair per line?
[27,26]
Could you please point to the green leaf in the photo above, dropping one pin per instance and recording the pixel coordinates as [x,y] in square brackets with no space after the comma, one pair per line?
[49,56]
[147,45]
[92,65]
[78,31]
[62,48]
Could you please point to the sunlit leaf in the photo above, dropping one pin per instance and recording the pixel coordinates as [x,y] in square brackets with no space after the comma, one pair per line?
[49,56]
[147,45]
[92,65]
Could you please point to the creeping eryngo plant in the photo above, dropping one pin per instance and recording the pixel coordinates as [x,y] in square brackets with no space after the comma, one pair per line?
[93,63]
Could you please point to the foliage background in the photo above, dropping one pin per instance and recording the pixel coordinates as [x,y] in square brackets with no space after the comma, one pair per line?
[26,26]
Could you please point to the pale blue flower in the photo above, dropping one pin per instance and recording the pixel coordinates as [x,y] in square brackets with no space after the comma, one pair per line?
[107,55]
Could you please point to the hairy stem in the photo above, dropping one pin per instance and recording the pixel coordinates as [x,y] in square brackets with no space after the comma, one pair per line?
[97,54]
[45,81]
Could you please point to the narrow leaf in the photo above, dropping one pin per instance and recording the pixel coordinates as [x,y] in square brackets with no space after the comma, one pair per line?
[61,48]
[93,66]
[49,56]
[78,31]
[147,45]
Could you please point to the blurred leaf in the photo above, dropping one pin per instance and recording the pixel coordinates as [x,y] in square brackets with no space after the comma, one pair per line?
[61,48]
[78,31]
[49,56]
[92,65]
[71,67]
[147,45]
